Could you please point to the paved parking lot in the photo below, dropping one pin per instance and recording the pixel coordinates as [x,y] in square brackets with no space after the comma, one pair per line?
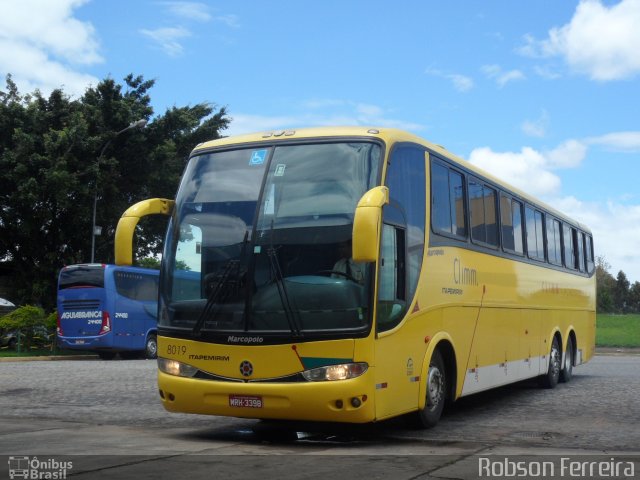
[109,412]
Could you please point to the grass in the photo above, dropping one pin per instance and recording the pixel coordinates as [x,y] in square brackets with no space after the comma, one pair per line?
[618,330]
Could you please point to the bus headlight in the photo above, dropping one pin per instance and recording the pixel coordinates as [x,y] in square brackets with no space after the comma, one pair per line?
[173,367]
[331,373]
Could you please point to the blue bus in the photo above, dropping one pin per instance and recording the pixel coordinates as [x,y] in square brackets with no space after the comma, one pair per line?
[108,309]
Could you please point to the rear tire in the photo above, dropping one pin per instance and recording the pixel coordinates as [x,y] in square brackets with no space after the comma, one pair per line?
[437,384]
[567,372]
[550,379]
[151,347]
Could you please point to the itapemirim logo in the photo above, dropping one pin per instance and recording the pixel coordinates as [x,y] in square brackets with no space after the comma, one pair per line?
[36,469]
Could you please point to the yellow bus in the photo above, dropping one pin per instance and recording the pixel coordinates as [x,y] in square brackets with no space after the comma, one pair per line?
[356,274]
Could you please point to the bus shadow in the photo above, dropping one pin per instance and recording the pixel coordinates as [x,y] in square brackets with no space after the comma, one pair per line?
[396,430]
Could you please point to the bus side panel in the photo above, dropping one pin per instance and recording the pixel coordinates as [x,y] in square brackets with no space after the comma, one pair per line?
[135,307]
[399,355]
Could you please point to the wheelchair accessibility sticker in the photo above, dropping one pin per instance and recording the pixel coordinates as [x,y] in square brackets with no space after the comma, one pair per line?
[258,157]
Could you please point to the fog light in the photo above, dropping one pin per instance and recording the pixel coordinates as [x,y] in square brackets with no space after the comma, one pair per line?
[355,402]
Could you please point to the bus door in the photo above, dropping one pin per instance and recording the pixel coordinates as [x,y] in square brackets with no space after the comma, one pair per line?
[136,306]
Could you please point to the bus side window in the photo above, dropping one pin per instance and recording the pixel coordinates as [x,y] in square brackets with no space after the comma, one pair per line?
[567,241]
[580,250]
[589,253]
[447,201]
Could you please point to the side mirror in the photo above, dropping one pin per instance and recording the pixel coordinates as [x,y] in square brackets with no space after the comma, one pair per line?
[367,225]
[129,220]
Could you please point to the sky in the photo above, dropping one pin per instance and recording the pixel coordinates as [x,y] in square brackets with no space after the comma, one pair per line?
[543,94]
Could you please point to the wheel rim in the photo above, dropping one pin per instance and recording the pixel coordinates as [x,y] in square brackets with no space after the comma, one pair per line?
[435,388]
[568,361]
[152,347]
[555,360]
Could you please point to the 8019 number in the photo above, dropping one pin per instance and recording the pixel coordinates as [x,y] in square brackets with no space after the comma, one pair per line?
[176,349]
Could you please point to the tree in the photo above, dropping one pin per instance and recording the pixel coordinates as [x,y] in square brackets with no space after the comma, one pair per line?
[621,292]
[51,168]
[605,285]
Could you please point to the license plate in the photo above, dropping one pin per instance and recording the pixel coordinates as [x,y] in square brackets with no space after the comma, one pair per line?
[79,342]
[244,401]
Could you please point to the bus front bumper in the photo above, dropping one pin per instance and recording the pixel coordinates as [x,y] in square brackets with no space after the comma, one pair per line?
[348,401]
[85,343]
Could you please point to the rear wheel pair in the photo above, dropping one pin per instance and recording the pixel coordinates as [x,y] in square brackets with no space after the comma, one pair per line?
[557,372]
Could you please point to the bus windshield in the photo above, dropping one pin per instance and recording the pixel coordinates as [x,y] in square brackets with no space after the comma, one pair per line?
[82,276]
[260,242]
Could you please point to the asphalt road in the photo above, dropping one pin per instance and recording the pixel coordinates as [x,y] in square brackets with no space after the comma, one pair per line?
[106,418]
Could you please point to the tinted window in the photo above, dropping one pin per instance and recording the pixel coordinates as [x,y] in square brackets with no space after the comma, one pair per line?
[447,200]
[511,213]
[482,207]
[554,243]
[137,286]
[580,250]
[567,243]
[589,253]
[535,234]
[77,276]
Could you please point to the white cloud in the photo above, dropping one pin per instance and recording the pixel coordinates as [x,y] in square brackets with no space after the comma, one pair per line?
[622,141]
[189,10]
[321,112]
[168,39]
[600,41]
[501,77]
[568,154]
[529,169]
[44,46]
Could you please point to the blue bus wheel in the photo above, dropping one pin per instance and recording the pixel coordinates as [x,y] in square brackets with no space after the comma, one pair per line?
[151,346]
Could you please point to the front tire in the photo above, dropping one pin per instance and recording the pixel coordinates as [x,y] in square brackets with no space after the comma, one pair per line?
[436,392]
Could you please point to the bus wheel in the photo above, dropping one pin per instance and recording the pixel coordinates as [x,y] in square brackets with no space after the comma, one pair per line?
[550,379]
[107,355]
[151,347]
[567,372]
[436,392]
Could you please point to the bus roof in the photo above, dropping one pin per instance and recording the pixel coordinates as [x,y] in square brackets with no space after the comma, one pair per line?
[388,136]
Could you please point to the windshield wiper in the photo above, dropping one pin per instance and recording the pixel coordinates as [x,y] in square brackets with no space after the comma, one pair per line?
[227,283]
[282,288]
